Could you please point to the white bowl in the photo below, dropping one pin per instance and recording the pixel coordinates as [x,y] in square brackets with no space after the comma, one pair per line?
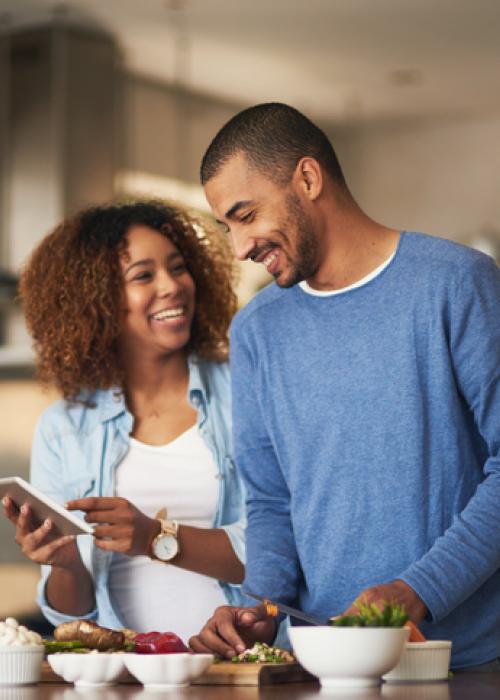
[88,670]
[158,671]
[422,661]
[20,665]
[348,656]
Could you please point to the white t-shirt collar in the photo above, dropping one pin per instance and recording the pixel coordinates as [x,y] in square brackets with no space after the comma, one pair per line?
[332,292]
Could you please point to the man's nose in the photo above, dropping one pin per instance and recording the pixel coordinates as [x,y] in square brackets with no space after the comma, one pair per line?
[242,245]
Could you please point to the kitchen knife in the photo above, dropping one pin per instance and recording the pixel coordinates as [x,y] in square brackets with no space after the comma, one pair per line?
[293,612]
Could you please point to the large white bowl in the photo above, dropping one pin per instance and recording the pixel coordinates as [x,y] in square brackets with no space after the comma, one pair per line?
[158,671]
[20,665]
[348,656]
[88,670]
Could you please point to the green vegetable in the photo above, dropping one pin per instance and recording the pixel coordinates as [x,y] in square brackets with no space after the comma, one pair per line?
[53,646]
[370,615]
[263,653]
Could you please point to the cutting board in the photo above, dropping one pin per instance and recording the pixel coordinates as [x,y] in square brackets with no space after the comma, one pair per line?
[226,673]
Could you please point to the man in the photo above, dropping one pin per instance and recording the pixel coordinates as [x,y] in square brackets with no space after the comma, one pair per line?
[366,399]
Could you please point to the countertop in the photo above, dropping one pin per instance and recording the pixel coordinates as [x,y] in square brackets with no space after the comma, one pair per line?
[464,686]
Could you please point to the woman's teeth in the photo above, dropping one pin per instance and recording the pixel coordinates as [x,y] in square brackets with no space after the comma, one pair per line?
[168,313]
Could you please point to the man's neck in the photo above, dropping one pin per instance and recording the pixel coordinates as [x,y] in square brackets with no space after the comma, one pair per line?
[354,247]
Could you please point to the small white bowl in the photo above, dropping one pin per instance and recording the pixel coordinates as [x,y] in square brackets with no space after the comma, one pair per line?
[344,657]
[88,670]
[159,671]
[20,665]
[422,661]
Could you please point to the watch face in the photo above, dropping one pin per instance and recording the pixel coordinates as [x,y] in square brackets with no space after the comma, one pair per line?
[166,547]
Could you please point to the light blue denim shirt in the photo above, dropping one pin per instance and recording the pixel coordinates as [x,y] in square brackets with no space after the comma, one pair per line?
[76,450]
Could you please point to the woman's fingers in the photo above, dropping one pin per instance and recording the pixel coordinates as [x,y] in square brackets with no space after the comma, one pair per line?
[106,532]
[48,553]
[34,538]
[25,524]
[11,511]
[94,503]
[35,545]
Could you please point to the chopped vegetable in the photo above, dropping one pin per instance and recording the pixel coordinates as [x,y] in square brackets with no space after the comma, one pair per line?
[262,653]
[415,634]
[370,615]
[271,608]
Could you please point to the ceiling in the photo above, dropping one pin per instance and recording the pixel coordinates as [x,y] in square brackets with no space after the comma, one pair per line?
[338,60]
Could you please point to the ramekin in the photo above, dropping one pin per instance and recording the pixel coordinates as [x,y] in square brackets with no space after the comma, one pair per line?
[20,665]
[422,661]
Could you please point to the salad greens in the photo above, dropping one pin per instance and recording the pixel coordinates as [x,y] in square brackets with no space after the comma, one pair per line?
[370,615]
[264,654]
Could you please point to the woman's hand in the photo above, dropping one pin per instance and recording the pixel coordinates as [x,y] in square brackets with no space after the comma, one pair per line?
[121,527]
[40,544]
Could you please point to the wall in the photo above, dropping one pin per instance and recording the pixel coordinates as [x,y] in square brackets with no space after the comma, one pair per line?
[166,130]
[439,176]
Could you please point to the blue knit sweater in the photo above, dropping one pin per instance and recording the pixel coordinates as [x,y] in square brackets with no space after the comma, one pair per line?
[367,430]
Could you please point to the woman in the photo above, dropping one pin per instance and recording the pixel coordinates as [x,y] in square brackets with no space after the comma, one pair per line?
[129,308]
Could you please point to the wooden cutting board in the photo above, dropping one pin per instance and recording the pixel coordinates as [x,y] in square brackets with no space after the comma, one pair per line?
[226,673]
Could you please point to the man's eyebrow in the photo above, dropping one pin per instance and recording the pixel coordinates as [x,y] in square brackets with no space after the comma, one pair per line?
[239,205]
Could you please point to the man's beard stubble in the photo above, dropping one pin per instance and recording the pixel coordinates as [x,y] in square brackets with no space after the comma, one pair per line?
[306,258]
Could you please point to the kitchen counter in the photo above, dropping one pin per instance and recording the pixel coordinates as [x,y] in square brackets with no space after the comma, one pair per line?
[465,686]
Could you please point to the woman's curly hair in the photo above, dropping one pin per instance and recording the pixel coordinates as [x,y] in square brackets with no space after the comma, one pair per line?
[72,290]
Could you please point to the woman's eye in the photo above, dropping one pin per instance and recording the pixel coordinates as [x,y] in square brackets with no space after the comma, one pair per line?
[248,217]
[179,268]
[142,276]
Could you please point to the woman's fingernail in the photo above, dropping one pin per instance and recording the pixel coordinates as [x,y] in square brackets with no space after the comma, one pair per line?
[240,648]
[47,524]
[24,508]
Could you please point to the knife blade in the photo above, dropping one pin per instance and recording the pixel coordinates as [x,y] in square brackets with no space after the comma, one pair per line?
[293,612]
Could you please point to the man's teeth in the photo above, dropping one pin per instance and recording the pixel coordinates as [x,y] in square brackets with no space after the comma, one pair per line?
[168,313]
[269,259]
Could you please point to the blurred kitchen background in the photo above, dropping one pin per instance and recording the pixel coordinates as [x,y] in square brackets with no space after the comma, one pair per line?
[107,98]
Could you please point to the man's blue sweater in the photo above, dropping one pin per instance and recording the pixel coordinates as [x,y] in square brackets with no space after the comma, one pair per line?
[367,430]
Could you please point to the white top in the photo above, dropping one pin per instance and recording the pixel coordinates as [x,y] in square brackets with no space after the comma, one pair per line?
[332,292]
[183,478]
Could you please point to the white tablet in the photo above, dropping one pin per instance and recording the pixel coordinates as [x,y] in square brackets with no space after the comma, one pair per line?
[66,522]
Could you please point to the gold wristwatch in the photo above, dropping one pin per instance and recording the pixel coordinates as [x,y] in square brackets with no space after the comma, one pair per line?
[165,545]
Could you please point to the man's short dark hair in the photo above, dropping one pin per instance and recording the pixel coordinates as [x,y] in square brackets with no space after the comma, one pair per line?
[273,137]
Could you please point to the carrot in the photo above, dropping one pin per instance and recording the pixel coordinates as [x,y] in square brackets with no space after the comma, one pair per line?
[415,634]
[271,608]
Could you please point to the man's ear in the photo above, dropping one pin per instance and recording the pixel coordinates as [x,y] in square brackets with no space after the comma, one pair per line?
[308,177]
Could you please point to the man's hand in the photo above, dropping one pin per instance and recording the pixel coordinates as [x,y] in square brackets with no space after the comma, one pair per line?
[121,527]
[232,630]
[394,592]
